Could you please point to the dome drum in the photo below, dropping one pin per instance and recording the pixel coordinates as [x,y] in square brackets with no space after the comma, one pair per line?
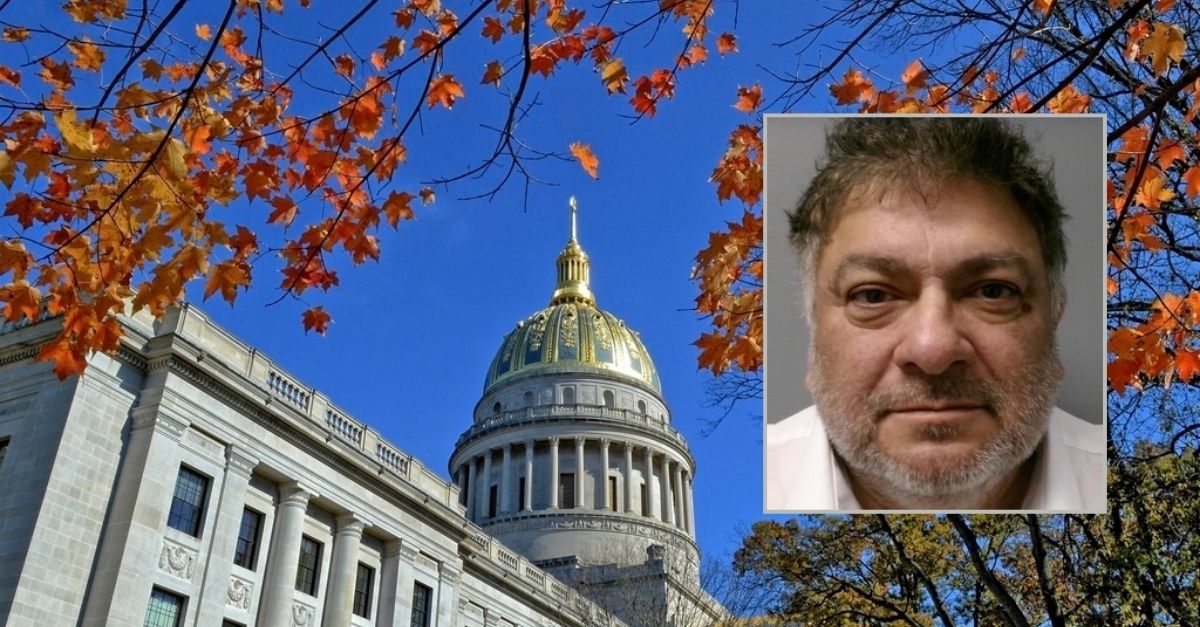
[571,389]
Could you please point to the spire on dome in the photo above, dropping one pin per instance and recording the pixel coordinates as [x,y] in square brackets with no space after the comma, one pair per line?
[574,270]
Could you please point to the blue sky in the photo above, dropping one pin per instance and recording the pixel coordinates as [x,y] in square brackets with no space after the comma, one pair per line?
[413,335]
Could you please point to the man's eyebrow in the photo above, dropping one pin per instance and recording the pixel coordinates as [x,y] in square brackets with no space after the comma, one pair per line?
[883,265]
[982,264]
[971,266]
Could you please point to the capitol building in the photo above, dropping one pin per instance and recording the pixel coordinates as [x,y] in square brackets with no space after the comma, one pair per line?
[189,480]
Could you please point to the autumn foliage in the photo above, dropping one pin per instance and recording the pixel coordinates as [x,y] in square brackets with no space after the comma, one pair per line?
[145,148]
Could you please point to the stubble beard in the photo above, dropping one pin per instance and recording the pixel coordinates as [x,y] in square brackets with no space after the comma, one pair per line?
[1021,404]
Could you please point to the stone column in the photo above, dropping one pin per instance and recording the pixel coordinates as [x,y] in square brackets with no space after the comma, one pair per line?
[405,577]
[279,582]
[579,441]
[506,506]
[230,505]
[677,493]
[460,477]
[472,488]
[628,477]
[553,473]
[604,477]
[447,596]
[389,581]
[652,492]
[528,476]
[667,492]
[133,543]
[691,512]
[485,487]
[343,570]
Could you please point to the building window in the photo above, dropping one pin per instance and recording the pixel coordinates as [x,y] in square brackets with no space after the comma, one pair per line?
[229,623]
[248,536]
[166,609]
[422,595]
[310,565]
[496,408]
[187,507]
[362,590]
[566,490]
[609,399]
[492,494]
[521,493]
[529,399]
[611,497]
[569,396]
[645,501]
[642,407]
[3,451]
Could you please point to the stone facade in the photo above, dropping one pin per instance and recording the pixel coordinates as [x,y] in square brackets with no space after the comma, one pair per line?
[90,475]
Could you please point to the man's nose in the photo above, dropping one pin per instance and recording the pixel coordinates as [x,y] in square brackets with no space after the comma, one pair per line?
[933,339]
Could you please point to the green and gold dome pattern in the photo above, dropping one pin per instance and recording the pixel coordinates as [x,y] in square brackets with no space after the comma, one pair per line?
[572,334]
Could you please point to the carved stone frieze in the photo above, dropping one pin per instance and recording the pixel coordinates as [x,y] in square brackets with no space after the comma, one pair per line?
[302,615]
[239,593]
[177,560]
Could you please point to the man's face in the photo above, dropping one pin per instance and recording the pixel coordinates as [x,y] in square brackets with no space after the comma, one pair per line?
[933,361]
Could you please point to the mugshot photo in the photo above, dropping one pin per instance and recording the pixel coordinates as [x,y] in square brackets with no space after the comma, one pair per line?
[934,335]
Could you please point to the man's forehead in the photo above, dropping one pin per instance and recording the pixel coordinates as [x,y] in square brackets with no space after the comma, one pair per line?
[967,266]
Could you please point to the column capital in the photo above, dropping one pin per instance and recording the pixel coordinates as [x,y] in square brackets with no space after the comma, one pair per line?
[162,422]
[554,440]
[349,523]
[529,444]
[239,460]
[295,493]
[448,573]
[579,441]
[605,442]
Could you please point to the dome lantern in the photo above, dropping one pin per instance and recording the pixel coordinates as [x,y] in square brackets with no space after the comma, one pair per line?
[574,271]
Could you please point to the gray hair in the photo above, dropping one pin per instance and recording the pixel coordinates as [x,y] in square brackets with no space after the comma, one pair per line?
[920,153]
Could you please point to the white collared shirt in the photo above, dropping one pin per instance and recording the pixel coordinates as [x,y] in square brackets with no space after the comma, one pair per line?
[802,474]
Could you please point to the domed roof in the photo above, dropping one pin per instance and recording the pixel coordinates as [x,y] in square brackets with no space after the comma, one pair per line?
[572,334]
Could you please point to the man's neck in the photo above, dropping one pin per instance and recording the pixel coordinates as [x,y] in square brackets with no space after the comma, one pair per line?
[1006,492]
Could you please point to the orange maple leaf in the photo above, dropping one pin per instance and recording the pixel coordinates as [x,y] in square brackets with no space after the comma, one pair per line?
[343,64]
[726,43]
[1164,45]
[204,32]
[227,277]
[854,87]
[1192,178]
[493,73]
[1187,362]
[444,90]
[427,196]
[1069,100]
[493,28]
[614,76]
[88,56]
[587,159]
[316,319]
[285,211]
[397,208]
[20,300]
[10,76]
[748,98]
[1121,373]
[69,359]
[914,77]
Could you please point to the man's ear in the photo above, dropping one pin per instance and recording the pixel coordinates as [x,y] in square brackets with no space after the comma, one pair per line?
[808,380]
[1062,306]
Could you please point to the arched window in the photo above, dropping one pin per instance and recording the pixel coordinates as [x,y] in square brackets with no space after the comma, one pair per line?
[528,399]
[609,399]
[496,408]
[642,407]
[568,396]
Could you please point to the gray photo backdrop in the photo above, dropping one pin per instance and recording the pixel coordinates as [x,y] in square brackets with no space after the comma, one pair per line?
[1076,147]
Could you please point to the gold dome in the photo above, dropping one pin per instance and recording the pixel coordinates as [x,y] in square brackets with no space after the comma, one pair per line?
[572,334]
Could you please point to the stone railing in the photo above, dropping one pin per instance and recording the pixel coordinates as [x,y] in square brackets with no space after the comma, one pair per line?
[596,413]
[522,568]
[215,343]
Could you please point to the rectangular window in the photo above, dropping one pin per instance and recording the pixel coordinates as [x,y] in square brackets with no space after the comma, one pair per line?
[422,595]
[566,490]
[166,609]
[612,493]
[3,450]
[187,506]
[310,565]
[248,536]
[229,623]
[521,493]
[492,493]
[363,582]
[645,501]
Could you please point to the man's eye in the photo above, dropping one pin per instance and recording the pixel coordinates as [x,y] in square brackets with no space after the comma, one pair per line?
[869,296]
[997,291]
